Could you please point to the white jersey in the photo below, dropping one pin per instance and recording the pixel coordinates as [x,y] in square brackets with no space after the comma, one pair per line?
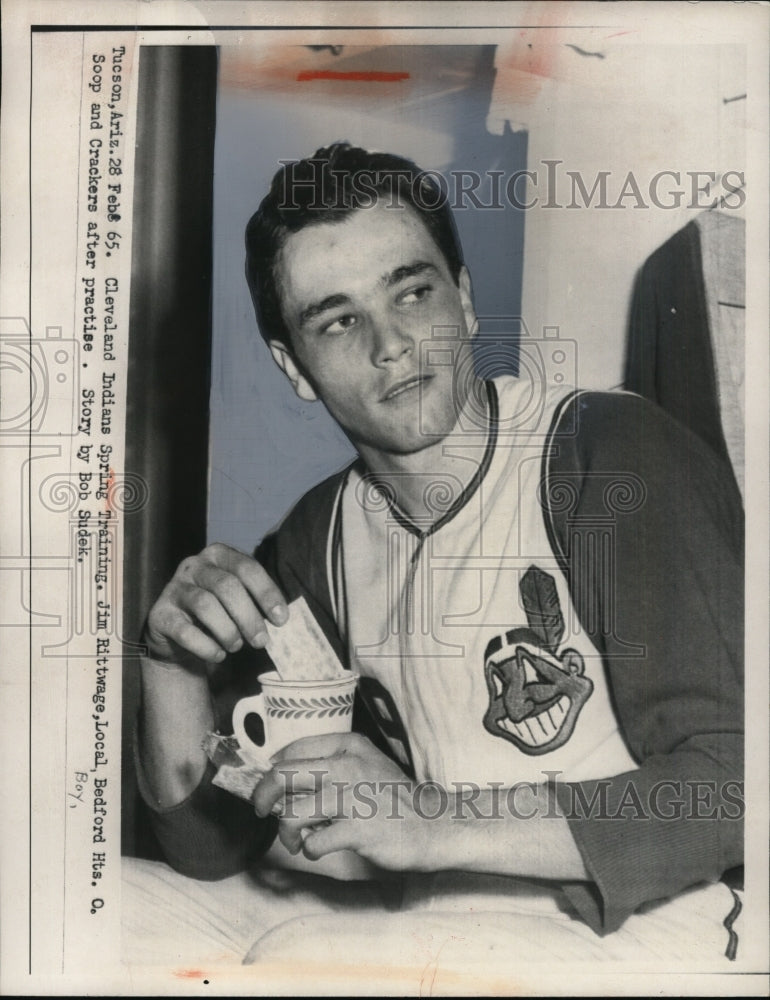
[464,633]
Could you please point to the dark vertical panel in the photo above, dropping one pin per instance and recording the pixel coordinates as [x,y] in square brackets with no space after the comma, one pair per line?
[170,347]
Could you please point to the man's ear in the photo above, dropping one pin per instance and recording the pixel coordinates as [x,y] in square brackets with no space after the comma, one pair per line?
[288,365]
[466,298]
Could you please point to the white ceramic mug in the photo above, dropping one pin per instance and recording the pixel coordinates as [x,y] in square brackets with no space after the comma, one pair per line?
[290,710]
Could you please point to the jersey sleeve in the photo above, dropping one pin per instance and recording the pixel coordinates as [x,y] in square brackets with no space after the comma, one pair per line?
[213,834]
[664,605]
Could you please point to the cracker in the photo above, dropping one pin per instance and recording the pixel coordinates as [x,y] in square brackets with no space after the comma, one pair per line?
[240,781]
[240,769]
[300,650]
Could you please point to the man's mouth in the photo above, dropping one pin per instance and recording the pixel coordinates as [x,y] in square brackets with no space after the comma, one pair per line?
[405,385]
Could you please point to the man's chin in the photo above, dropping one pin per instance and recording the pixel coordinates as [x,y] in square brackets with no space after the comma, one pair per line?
[408,430]
[396,444]
[409,437]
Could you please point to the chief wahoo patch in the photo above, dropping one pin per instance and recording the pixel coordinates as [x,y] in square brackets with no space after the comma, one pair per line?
[535,692]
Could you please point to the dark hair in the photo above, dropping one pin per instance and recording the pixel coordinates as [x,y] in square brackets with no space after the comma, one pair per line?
[327,187]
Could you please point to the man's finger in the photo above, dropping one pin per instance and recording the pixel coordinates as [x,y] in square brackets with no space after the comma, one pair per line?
[255,579]
[322,840]
[235,599]
[281,783]
[268,794]
[205,610]
[171,634]
[301,813]
[190,638]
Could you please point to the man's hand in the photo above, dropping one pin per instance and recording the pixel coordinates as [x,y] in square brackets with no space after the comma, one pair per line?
[338,792]
[214,602]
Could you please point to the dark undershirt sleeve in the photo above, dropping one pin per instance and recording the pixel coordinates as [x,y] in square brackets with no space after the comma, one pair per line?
[665,607]
[212,834]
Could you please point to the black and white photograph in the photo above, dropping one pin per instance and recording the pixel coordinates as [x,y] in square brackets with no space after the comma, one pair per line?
[384,437]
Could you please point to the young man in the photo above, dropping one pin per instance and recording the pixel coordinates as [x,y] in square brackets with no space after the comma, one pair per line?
[545,612]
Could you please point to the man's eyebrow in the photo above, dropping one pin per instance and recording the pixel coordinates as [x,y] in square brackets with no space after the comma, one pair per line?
[388,280]
[316,308]
[408,271]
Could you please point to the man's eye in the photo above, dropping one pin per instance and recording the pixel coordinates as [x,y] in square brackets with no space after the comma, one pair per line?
[416,294]
[340,325]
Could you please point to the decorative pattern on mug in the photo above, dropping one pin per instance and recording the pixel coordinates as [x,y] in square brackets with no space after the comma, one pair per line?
[297,708]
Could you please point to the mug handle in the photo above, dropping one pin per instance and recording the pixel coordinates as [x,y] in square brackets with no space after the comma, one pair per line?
[254,705]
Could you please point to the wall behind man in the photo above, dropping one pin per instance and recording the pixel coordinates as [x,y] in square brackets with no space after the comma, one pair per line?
[659,123]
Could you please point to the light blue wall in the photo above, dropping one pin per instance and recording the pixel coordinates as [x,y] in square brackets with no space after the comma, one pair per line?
[267,446]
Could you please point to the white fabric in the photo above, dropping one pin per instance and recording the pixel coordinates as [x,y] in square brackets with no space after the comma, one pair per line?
[296,922]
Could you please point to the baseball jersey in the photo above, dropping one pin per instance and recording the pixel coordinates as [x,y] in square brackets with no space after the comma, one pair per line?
[470,652]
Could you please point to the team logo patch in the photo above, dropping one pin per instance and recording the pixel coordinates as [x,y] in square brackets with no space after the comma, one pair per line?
[535,693]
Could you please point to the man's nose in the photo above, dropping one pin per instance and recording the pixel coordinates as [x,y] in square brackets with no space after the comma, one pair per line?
[391,340]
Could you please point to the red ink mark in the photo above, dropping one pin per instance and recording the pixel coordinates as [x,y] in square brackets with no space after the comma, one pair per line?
[189,973]
[362,76]
[617,33]
[110,485]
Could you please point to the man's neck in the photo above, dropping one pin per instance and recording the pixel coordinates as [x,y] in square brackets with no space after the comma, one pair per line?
[455,460]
